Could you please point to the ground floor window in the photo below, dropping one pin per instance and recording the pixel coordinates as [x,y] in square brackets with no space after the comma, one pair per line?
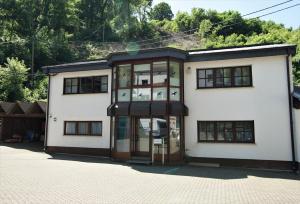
[226,131]
[87,128]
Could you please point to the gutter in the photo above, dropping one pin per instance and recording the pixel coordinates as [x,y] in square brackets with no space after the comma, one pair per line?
[294,162]
[47,112]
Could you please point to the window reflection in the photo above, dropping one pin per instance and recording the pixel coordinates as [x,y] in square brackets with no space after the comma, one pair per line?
[122,140]
[124,73]
[160,76]
[174,134]
[160,130]
[141,94]
[160,94]
[174,74]
[142,74]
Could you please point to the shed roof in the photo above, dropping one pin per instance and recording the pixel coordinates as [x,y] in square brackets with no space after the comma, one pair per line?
[22,109]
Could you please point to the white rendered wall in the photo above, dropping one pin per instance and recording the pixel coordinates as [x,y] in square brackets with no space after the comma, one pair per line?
[266,103]
[78,107]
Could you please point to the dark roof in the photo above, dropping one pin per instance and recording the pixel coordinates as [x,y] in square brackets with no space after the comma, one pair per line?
[147,53]
[186,55]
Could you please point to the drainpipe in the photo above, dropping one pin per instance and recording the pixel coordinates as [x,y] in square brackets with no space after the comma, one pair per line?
[294,162]
[47,112]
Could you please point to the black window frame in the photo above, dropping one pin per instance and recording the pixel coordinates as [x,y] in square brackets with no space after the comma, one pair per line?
[232,77]
[77,129]
[93,90]
[234,132]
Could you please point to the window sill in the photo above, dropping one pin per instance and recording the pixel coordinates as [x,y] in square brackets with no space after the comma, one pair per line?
[223,142]
[82,135]
[83,93]
[229,87]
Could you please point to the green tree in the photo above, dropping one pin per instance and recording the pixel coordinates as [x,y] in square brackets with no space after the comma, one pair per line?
[13,76]
[161,11]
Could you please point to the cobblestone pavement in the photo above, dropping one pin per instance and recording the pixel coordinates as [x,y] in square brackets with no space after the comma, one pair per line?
[28,176]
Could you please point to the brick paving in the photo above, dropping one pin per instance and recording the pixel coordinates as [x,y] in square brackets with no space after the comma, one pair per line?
[31,176]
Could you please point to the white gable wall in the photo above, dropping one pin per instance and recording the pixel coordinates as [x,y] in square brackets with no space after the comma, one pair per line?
[266,103]
[78,107]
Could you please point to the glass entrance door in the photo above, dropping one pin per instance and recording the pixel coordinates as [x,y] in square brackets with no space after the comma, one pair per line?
[141,146]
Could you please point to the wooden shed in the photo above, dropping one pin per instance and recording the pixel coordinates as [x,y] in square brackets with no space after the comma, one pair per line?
[22,120]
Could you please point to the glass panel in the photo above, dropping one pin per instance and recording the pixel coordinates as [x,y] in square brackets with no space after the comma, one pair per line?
[86,85]
[104,84]
[174,73]
[114,79]
[202,130]
[124,75]
[201,82]
[219,82]
[143,133]
[83,128]
[70,128]
[227,81]
[142,94]
[174,94]
[174,134]
[201,74]
[122,140]
[160,73]
[228,131]
[219,72]
[237,81]
[237,72]
[246,71]
[68,84]
[246,81]
[210,130]
[74,86]
[124,95]
[160,94]
[112,132]
[96,128]
[97,84]
[221,131]
[209,82]
[142,74]
[160,130]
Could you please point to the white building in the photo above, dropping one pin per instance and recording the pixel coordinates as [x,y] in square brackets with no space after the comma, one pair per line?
[226,106]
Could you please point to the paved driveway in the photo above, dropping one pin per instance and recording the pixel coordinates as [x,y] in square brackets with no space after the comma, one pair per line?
[30,176]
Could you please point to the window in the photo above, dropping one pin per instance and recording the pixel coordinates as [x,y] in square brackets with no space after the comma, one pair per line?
[124,72]
[88,128]
[71,86]
[224,77]
[141,74]
[160,73]
[174,81]
[81,85]
[226,131]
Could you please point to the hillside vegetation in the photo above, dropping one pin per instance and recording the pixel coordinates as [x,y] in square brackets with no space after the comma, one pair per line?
[35,33]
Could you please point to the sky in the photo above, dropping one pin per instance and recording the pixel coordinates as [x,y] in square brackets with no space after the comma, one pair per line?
[290,17]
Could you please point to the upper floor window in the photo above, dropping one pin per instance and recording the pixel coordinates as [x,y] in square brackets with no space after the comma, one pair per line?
[80,85]
[141,74]
[152,81]
[226,131]
[224,77]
